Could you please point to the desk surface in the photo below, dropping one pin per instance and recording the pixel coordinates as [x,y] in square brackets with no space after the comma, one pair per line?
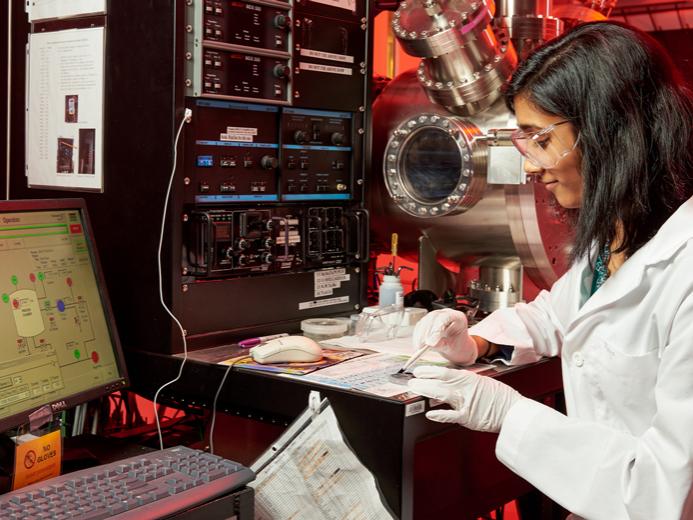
[424,469]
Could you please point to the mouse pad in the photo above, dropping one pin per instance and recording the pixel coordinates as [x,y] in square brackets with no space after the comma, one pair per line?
[330,357]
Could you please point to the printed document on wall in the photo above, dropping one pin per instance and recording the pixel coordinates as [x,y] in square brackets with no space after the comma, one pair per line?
[65,109]
[49,9]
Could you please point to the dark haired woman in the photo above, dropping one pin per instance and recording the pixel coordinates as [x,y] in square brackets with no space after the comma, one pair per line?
[606,125]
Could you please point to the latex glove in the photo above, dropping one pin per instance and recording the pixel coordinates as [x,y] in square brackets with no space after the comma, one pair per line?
[445,330]
[478,402]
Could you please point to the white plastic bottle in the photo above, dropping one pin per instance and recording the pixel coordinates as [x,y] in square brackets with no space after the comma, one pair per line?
[391,291]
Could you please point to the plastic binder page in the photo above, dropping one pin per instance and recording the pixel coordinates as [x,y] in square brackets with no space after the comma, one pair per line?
[317,476]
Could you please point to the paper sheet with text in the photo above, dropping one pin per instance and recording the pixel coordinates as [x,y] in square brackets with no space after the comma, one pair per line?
[317,476]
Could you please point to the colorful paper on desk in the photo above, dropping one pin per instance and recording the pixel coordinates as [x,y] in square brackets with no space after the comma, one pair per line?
[397,346]
[330,357]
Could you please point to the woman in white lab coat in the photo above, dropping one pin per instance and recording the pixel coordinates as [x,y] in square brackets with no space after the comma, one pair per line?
[607,125]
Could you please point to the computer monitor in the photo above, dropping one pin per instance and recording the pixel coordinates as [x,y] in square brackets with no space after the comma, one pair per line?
[58,341]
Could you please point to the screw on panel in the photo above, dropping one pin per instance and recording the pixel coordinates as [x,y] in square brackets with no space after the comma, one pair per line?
[357,270]
[362,109]
[185,217]
[184,271]
[188,83]
[361,131]
[297,94]
[357,306]
[188,28]
[188,55]
[186,181]
[359,181]
[185,287]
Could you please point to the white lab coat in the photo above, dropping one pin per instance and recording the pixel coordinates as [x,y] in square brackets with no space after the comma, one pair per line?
[625,449]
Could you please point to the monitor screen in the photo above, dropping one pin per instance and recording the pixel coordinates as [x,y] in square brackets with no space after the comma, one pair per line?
[58,343]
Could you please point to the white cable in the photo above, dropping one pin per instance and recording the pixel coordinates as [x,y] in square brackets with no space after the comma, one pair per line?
[9,98]
[214,409]
[186,118]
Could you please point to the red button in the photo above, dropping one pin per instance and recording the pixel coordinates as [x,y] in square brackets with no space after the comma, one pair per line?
[75,228]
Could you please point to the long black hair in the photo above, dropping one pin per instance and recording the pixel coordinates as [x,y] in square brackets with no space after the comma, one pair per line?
[624,95]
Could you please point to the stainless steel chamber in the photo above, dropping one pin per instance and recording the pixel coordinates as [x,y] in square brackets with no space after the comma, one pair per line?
[452,185]
[443,180]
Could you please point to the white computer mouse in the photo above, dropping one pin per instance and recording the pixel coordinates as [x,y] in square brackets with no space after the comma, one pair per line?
[298,349]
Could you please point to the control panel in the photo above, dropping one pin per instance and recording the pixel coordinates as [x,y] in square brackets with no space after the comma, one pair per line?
[238,75]
[241,152]
[223,242]
[311,55]
[273,165]
[232,153]
[316,155]
[247,24]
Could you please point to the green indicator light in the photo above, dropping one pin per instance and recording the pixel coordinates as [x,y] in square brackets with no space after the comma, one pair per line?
[41,276]
[14,280]
[6,298]
[77,354]
[47,304]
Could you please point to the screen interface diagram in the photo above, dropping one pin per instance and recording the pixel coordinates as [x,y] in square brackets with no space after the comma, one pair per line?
[54,338]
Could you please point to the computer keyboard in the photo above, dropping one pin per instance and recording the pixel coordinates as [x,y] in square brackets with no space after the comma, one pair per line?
[153,485]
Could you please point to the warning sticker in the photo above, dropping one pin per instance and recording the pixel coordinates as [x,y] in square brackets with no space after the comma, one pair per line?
[338,300]
[327,281]
[244,138]
[349,5]
[344,58]
[329,69]
[414,408]
[241,130]
[37,460]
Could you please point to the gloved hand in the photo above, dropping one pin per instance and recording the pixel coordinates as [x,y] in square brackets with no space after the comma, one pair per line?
[445,330]
[478,402]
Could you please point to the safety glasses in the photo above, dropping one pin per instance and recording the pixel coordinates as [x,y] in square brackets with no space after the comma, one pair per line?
[544,147]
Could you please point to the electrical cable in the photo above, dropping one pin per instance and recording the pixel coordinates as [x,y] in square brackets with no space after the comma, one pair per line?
[9,99]
[186,119]
[214,409]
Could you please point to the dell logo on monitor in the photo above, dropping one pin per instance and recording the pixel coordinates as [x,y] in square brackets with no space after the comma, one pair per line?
[60,405]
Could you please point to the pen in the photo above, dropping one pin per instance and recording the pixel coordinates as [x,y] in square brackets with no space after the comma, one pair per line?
[251,342]
[414,358]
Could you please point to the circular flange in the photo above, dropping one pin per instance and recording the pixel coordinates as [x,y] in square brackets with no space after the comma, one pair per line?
[470,95]
[431,165]
[430,28]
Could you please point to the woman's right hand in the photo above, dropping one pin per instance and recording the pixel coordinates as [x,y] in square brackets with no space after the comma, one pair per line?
[445,330]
